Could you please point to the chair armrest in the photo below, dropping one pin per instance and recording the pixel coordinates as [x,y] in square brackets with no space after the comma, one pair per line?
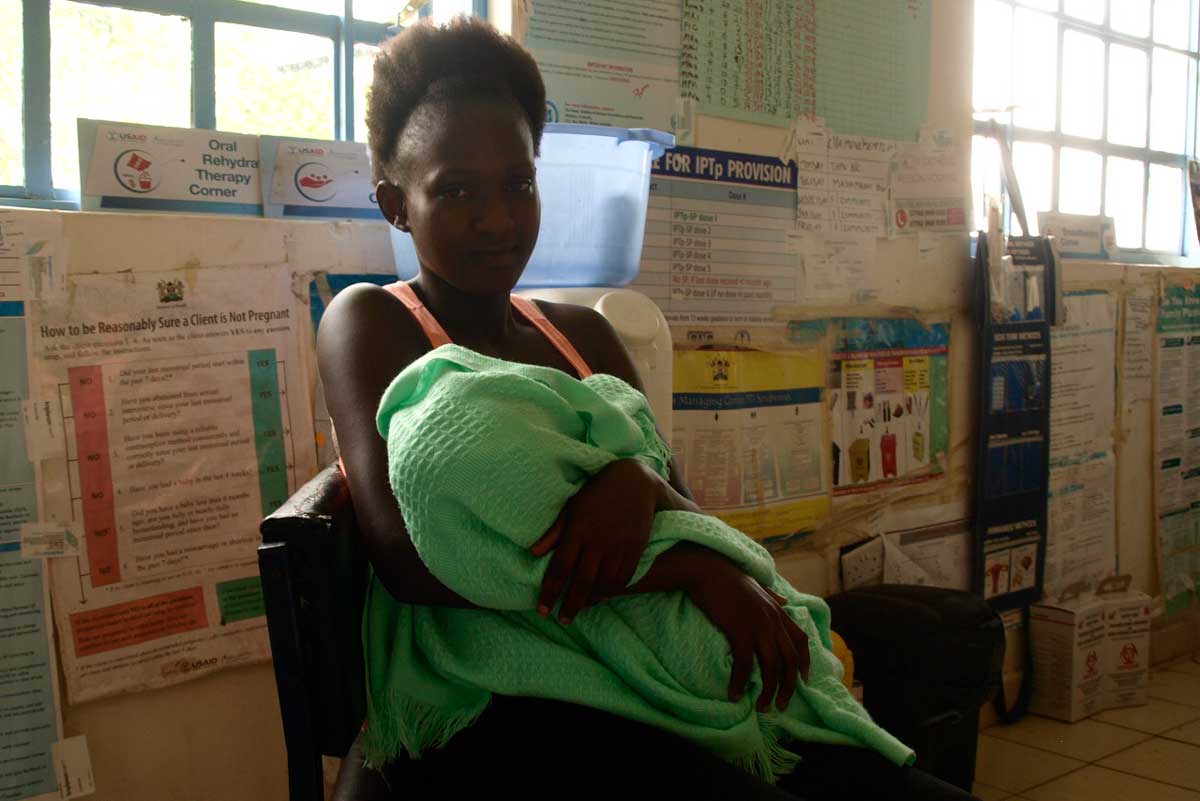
[318,506]
[314,573]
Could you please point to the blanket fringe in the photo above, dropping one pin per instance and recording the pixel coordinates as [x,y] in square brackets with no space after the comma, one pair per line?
[773,761]
[402,723]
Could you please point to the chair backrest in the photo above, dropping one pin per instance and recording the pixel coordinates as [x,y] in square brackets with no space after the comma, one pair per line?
[314,575]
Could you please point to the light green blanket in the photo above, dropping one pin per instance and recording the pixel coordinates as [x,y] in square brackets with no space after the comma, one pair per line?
[483,454]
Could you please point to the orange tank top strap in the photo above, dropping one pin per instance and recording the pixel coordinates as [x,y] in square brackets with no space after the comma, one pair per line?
[533,314]
[433,329]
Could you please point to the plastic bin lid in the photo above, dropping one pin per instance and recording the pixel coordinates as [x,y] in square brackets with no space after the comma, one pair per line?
[658,141]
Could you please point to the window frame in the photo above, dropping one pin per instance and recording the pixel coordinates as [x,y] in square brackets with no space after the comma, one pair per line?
[342,30]
[1146,155]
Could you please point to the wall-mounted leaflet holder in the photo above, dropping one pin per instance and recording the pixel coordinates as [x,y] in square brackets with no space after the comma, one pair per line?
[1014,427]
[1023,278]
[1018,298]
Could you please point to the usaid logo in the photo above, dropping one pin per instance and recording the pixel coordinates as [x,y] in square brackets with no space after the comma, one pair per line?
[185,666]
[118,136]
[296,150]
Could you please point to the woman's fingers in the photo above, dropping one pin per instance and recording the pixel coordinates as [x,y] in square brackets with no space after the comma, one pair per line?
[562,567]
[550,539]
[800,643]
[768,666]
[612,578]
[582,582]
[743,663]
[789,671]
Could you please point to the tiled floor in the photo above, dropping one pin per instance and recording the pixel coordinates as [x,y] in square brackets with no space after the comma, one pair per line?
[1149,753]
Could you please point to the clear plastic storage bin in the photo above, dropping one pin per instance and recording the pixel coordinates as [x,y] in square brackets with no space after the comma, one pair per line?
[594,183]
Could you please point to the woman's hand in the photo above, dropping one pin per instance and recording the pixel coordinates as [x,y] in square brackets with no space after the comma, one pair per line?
[753,620]
[599,538]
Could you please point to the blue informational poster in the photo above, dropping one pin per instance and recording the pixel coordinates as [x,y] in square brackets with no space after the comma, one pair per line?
[28,707]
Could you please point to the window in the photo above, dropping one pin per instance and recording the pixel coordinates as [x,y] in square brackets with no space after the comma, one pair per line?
[274,82]
[1097,101]
[113,64]
[12,145]
[364,68]
[285,67]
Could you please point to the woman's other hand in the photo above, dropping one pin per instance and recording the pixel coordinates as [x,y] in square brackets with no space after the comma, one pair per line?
[752,618]
[600,537]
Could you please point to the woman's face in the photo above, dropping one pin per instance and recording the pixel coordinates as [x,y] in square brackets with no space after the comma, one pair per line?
[470,200]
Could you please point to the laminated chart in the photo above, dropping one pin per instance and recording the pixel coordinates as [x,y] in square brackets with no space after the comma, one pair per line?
[1177,450]
[717,234]
[889,400]
[749,436]
[862,65]
[185,419]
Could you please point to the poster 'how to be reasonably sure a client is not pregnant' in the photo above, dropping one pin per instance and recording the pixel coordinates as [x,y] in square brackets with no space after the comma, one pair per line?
[182,420]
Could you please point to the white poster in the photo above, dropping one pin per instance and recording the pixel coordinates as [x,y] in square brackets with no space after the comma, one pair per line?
[1137,372]
[1081,546]
[186,420]
[1081,531]
[716,235]
[836,271]
[128,167]
[608,63]
[842,181]
[1083,348]
[928,190]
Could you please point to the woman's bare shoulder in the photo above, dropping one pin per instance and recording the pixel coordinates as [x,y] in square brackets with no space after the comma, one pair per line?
[594,337]
[366,333]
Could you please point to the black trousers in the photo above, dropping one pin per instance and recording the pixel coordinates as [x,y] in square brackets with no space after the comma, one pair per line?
[537,749]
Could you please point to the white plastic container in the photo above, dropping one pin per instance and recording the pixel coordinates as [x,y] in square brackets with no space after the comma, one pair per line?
[594,183]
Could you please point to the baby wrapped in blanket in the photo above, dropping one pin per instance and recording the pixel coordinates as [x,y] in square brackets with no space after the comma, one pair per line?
[482,455]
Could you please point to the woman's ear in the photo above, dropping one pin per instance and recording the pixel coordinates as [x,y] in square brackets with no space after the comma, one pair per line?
[391,204]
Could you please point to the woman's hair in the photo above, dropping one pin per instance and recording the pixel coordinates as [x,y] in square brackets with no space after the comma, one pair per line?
[464,59]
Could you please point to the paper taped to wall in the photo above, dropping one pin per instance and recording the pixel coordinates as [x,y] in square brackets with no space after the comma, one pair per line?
[187,420]
[1177,447]
[716,234]
[606,67]
[749,437]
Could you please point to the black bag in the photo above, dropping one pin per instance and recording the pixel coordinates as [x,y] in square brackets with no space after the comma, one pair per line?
[928,658]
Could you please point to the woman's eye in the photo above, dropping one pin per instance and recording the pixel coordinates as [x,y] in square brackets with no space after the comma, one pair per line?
[453,193]
[523,185]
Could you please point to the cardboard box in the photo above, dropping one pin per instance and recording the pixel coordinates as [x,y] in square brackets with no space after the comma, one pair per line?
[1127,627]
[1090,653]
[1068,641]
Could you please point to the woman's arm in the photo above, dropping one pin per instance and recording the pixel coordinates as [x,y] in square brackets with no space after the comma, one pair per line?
[603,530]
[365,340]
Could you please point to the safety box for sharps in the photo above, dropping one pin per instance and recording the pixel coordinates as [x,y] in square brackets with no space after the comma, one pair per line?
[1127,631]
[1090,653]
[1069,646]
